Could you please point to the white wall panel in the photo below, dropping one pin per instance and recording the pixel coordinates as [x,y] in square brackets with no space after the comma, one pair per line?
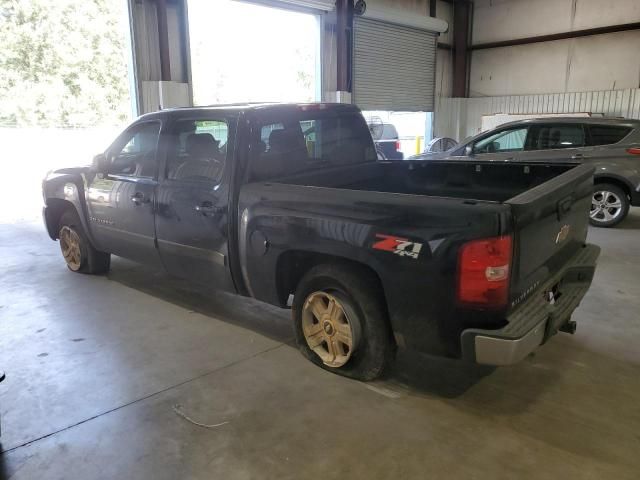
[462,117]
[598,62]
[497,20]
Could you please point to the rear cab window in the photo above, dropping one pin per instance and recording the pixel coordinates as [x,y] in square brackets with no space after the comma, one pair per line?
[307,141]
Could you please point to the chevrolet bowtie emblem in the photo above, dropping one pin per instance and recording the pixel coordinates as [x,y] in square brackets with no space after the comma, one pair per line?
[563,233]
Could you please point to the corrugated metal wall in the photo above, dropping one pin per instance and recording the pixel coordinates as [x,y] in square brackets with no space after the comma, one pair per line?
[393,67]
[461,117]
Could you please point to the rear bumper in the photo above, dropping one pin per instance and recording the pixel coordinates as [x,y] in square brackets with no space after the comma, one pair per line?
[536,320]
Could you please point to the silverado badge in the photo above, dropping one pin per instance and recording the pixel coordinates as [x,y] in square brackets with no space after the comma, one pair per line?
[563,234]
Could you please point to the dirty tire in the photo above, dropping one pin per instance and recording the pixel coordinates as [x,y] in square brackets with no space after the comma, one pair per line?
[88,260]
[599,215]
[364,305]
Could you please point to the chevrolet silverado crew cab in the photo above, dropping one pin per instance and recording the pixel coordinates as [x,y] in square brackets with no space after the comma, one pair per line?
[288,204]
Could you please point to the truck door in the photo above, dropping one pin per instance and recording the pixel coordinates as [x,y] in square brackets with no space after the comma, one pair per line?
[121,201]
[192,218]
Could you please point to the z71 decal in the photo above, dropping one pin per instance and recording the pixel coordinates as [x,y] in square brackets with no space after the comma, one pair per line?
[398,245]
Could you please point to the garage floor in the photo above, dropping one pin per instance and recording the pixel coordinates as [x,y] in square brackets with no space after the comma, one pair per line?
[95,366]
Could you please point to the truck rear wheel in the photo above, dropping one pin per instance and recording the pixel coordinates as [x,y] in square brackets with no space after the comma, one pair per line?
[341,322]
[77,251]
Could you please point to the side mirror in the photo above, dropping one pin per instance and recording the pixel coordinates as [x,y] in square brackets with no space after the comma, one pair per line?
[100,163]
[468,151]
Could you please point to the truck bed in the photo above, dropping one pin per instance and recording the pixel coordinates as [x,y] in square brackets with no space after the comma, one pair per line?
[487,181]
[441,204]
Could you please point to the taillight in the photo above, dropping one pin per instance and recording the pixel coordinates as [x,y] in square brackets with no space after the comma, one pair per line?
[483,272]
[634,150]
[397,145]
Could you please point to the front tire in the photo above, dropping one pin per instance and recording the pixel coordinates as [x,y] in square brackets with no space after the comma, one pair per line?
[77,251]
[341,321]
[609,205]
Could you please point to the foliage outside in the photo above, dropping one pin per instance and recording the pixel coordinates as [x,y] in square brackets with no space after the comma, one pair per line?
[63,63]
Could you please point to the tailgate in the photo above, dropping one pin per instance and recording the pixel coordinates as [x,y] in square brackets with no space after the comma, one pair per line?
[550,225]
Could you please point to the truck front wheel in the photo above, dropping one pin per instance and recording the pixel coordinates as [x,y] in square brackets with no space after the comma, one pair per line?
[77,251]
[341,322]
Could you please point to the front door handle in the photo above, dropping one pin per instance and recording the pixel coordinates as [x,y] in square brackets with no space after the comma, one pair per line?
[138,198]
[208,208]
[577,156]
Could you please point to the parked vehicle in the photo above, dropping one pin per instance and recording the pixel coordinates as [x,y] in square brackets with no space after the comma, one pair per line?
[612,146]
[482,261]
[387,140]
[440,144]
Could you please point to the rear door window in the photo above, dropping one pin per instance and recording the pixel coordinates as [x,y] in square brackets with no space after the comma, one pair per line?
[553,137]
[607,134]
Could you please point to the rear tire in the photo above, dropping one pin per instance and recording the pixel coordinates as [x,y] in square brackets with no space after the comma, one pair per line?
[77,251]
[356,342]
[609,205]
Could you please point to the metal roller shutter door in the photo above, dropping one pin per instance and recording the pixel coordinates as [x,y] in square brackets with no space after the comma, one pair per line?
[393,67]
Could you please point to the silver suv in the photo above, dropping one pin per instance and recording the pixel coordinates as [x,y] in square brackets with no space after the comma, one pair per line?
[611,145]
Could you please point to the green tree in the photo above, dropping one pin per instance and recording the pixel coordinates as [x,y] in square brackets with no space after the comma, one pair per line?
[63,63]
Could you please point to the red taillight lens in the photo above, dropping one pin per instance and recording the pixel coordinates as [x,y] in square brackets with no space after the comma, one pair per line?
[483,272]
[634,150]
[397,145]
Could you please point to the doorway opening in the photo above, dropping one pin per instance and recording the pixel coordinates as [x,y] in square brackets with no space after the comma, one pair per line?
[243,52]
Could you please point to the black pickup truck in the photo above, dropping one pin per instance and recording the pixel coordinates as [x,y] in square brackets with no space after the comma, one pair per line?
[288,204]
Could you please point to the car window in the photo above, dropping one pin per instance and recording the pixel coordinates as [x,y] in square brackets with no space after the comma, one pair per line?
[197,150]
[607,134]
[134,154]
[552,137]
[449,144]
[505,141]
[389,132]
[304,144]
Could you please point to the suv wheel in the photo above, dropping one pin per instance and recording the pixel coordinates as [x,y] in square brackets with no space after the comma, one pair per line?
[341,322]
[609,205]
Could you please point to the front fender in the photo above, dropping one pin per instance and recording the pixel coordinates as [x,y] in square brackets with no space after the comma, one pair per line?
[62,191]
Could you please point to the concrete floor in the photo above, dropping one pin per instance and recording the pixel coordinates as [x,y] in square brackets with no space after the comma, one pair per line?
[95,365]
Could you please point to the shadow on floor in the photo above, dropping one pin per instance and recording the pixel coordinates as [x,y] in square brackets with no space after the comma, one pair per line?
[632,222]
[270,321]
[437,376]
[420,373]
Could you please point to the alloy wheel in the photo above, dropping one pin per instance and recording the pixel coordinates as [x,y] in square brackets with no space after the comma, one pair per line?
[70,246]
[327,328]
[606,206]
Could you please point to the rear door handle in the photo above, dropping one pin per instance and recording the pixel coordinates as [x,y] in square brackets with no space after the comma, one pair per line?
[139,198]
[577,156]
[208,208]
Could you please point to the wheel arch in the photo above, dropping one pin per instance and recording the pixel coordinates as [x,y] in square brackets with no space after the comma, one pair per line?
[293,264]
[55,209]
[615,180]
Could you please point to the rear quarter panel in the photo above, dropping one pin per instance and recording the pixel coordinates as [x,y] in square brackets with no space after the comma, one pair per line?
[419,289]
